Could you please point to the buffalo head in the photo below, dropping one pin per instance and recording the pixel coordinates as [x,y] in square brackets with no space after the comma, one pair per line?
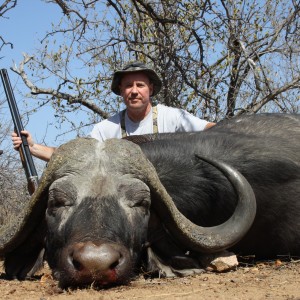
[92,209]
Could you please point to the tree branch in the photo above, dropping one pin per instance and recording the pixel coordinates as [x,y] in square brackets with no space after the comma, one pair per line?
[71,99]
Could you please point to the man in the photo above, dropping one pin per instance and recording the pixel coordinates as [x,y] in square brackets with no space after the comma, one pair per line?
[136,83]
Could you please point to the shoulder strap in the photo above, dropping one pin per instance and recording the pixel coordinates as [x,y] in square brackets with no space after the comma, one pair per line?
[124,134]
[154,118]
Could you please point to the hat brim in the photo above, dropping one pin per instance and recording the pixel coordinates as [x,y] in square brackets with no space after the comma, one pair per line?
[153,77]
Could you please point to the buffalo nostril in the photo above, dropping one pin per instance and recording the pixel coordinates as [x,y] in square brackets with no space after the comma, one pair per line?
[77,265]
[114,265]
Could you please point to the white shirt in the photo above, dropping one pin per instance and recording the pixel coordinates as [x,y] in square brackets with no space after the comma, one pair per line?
[169,119]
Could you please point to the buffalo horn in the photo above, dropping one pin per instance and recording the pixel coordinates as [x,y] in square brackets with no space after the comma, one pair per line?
[208,239]
[14,233]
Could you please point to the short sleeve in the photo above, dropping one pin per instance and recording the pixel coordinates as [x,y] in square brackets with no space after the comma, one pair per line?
[172,119]
[188,123]
[107,129]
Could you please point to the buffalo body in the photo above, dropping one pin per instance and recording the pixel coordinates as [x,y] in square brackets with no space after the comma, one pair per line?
[99,214]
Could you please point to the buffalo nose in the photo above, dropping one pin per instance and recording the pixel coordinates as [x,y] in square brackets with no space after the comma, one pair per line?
[96,263]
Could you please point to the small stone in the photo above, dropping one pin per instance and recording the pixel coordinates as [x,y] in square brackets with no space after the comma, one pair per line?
[219,262]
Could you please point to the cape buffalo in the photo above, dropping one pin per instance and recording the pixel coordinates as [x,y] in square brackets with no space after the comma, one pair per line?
[104,210]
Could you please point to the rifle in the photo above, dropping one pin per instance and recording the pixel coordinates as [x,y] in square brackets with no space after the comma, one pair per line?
[26,157]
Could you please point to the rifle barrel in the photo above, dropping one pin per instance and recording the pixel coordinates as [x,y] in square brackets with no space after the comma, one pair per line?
[26,157]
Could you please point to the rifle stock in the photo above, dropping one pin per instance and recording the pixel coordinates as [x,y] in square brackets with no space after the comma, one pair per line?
[26,157]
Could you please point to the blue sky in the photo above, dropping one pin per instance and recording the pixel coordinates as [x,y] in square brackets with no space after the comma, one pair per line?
[25,25]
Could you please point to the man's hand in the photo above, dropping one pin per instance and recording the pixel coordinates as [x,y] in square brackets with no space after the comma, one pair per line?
[37,150]
[17,141]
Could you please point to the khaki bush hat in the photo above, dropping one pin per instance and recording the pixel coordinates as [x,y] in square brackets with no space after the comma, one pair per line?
[136,67]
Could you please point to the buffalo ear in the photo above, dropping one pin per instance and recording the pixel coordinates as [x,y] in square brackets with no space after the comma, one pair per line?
[28,257]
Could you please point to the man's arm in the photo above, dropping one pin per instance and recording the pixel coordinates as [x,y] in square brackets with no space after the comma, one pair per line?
[209,125]
[37,150]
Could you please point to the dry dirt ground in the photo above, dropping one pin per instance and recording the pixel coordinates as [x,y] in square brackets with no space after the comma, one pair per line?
[262,280]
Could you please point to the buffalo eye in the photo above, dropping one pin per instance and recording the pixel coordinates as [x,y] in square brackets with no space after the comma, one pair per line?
[141,203]
[135,194]
[57,201]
